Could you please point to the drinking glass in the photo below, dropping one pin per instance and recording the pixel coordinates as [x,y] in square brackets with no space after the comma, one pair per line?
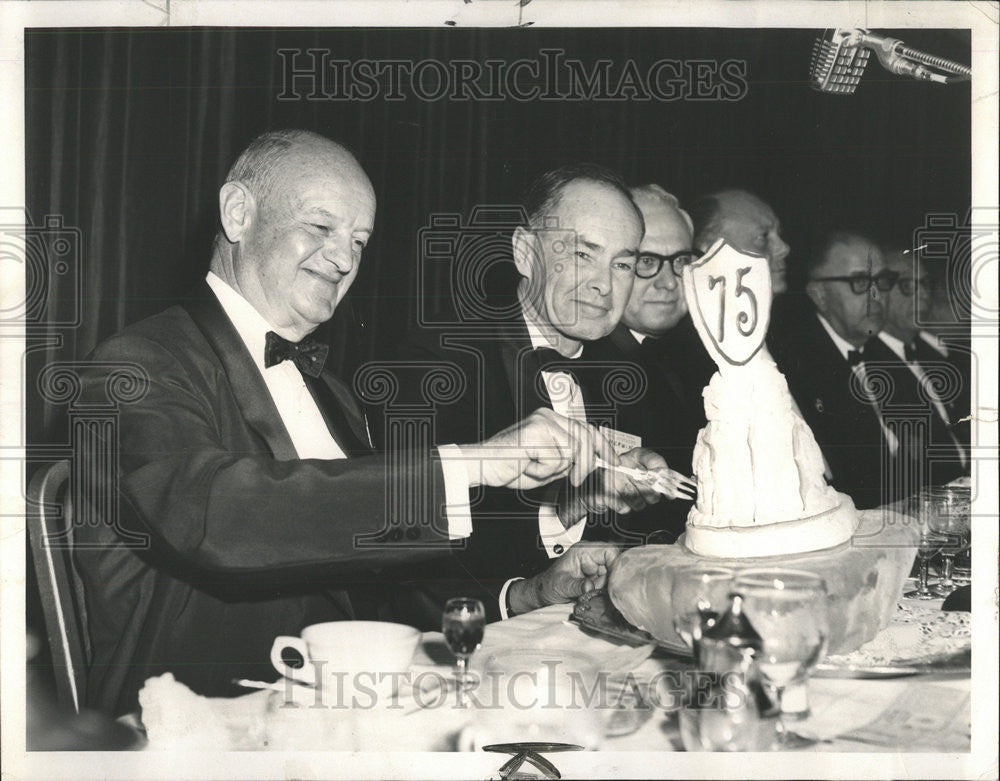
[948,516]
[963,560]
[788,609]
[530,695]
[928,547]
[463,624]
[698,596]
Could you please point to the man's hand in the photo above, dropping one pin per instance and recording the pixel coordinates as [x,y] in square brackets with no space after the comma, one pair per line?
[537,450]
[582,568]
[607,490]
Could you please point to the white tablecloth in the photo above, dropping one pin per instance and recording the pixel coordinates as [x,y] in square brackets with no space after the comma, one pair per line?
[839,705]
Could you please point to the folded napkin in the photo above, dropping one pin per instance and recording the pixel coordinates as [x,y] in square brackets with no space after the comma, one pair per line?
[177,718]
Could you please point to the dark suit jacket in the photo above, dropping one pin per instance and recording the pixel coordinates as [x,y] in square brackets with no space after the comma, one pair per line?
[931,447]
[503,386]
[664,415]
[846,428]
[681,349]
[962,361]
[246,541]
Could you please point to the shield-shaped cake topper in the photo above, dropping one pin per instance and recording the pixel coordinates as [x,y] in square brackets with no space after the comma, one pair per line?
[729,295]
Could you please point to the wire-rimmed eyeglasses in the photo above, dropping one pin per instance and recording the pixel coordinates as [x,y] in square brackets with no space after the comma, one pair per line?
[648,264]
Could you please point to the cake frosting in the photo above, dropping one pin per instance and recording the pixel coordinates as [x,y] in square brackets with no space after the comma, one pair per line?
[760,472]
[756,461]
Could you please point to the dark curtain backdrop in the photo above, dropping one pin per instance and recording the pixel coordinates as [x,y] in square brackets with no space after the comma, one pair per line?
[129,134]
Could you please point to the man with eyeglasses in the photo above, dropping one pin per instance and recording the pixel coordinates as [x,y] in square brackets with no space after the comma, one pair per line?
[939,388]
[826,362]
[667,415]
[519,350]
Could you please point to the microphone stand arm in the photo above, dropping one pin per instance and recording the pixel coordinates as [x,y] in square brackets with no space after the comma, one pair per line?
[900,59]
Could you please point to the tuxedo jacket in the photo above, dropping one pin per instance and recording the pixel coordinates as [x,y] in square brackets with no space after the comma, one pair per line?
[664,415]
[846,427]
[243,541]
[502,385]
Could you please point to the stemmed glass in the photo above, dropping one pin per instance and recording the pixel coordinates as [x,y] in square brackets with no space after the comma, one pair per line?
[963,560]
[788,609]
[928,547]
[931,542]
[948,516]
[698,596]
[463,624]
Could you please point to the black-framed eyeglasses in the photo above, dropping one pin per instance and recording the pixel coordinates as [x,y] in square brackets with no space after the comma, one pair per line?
[908,285]
[862,283]
[648,264]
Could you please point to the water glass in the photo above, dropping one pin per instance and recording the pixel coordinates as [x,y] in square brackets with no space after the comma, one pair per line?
[698,596]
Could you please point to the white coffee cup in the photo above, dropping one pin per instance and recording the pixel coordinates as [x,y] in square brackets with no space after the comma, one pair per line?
[352,663]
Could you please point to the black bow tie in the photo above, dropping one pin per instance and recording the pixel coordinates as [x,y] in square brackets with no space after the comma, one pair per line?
[854,357]
[309,355]
[910,351]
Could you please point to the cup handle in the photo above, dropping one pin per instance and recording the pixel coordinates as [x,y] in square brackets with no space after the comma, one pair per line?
[300,674]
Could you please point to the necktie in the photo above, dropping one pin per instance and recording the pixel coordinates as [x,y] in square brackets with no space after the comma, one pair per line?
[854,357]
[309,355]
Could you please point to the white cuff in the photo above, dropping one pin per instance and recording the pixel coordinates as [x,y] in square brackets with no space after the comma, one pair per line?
[456,492]
[555,537]
[503,598]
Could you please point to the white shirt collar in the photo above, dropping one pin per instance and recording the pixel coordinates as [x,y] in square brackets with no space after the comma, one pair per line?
[247,321]
[933,342]
[899,347]
[894,344]
[842,344]
[538,338]
[639,337]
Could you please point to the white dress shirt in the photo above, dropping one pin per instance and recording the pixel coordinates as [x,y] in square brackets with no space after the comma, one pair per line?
[899,349]
[304,422]
[567,400]
[845,347]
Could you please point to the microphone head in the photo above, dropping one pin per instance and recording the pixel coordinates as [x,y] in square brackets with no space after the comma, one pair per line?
[837,62]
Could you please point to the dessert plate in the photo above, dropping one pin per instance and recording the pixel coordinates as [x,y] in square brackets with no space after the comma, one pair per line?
[595,611]
[920,640]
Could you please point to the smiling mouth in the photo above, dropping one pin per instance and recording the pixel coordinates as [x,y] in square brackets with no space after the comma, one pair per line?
[324,277]
[588,307]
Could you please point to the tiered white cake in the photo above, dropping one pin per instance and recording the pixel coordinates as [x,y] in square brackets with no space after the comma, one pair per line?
[763,499]
[761,489]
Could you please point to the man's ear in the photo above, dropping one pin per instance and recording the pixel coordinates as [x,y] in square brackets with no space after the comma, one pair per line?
[817,294]
[237,209]
[526,252]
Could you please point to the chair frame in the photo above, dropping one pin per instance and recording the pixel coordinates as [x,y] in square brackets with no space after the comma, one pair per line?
[50,530]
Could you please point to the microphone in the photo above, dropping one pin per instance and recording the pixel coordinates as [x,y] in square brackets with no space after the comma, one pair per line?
[837,63]
[840,56]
